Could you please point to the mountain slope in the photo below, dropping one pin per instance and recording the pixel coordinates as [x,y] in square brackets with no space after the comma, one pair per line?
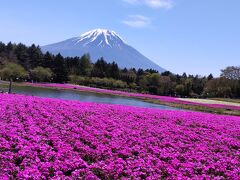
[103,43]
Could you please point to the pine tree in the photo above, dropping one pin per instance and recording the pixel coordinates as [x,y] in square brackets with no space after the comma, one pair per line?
[114,71]
[35,56]
[59,69]
[99,68]
[85,65]
[21,52]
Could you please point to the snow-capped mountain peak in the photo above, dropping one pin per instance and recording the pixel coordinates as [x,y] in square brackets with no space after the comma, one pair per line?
[103,43]
[100,37]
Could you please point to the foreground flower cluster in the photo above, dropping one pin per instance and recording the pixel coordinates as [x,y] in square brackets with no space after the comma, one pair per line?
[160,98]
[58,139]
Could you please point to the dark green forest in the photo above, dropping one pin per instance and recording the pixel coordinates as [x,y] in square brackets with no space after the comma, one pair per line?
[19,62]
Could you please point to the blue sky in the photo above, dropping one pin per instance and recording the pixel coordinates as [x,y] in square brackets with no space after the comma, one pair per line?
[193,36]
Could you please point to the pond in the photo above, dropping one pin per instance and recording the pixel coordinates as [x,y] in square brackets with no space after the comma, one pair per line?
[85,97]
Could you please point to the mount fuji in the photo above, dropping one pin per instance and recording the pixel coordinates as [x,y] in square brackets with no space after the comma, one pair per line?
[103,43]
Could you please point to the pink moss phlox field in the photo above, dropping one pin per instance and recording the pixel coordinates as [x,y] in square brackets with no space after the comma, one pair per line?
[44,138]
[161,98]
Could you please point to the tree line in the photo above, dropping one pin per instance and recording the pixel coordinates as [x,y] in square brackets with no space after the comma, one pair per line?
[19,62]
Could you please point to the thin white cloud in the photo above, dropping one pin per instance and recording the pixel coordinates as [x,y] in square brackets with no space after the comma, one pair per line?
[137,21]
[167,4]
[159,3]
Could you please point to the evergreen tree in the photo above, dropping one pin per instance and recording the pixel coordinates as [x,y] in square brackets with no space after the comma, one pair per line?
[85,65]
[21,52]
[99,68]
[9,47]
[48,60]
[59,70]
[35,56]
[184,75]
[114,71]
[2,47]
[72,65]
[210,77]
[166,73]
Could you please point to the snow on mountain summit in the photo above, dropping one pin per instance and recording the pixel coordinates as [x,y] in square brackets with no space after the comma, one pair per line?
[103,43]
[103,37]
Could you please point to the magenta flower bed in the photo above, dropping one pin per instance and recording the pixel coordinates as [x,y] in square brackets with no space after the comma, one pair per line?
[44,138]
[160,98]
